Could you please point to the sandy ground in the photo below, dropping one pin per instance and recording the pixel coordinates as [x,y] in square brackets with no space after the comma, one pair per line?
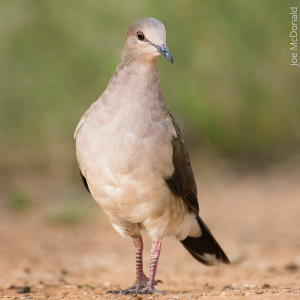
[255,218]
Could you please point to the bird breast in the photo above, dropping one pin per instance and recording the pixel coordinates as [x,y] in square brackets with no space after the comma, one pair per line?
[125,152]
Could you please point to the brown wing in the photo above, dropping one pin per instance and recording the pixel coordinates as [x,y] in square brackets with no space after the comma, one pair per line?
[182,181]
[84,182]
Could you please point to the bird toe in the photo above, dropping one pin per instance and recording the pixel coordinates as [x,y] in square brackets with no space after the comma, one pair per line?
[123,292]
[149,290]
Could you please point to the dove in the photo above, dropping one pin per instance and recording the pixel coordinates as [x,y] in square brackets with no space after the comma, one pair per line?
[134,162]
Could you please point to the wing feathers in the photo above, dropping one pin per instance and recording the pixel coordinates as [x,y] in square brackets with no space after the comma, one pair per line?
[182,181]
[204,248]
[84,182]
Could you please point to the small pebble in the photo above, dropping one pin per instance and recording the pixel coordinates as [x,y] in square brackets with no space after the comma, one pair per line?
[292,267]
[70,286]
[64,272]
[236,258]
[23,290]
[40,286]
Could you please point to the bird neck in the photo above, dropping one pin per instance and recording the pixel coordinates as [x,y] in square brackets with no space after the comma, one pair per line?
[134,80]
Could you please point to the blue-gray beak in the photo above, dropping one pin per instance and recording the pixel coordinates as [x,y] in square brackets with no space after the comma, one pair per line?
[164,51]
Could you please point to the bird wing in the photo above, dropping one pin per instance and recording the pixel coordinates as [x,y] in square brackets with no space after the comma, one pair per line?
[84,182]
[182,181]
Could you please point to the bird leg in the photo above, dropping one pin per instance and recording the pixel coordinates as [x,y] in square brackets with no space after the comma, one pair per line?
[141,278]
[143,285]
[155,252]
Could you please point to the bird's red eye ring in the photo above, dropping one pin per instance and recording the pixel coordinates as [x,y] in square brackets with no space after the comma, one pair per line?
[140,36]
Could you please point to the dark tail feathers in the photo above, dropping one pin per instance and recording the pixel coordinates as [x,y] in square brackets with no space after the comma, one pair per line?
[205,248]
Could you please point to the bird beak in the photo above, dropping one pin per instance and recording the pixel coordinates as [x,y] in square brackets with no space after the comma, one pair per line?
[164,51]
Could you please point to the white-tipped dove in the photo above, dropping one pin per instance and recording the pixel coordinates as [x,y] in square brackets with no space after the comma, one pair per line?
[134,162]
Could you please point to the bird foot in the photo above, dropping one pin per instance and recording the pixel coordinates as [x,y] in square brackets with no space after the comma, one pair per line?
[144,291]
[138,288]
[124,292]
[149,290]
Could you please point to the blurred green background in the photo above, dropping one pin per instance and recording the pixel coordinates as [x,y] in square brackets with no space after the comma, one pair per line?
[231,86]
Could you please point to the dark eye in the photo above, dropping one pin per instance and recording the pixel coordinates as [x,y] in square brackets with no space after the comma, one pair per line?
[140,36]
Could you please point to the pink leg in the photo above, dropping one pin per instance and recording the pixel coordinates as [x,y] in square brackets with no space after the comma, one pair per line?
[141,278]
[155,252]
[143,285]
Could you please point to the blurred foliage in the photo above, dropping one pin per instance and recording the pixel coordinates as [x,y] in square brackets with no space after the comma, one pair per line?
[18,201]
[89,286]
[71,211]
[231,85]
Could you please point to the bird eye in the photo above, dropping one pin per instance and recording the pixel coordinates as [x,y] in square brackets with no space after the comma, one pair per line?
[140,36]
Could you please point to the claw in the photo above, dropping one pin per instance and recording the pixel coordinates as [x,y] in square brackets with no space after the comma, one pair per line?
[158,281]
[114,292]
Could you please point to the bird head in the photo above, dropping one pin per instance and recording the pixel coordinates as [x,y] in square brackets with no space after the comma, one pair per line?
[146,40]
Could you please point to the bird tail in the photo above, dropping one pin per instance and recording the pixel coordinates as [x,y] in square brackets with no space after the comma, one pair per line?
[205,248]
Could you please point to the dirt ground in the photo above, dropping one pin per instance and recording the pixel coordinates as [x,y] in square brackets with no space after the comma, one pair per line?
[255,218]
